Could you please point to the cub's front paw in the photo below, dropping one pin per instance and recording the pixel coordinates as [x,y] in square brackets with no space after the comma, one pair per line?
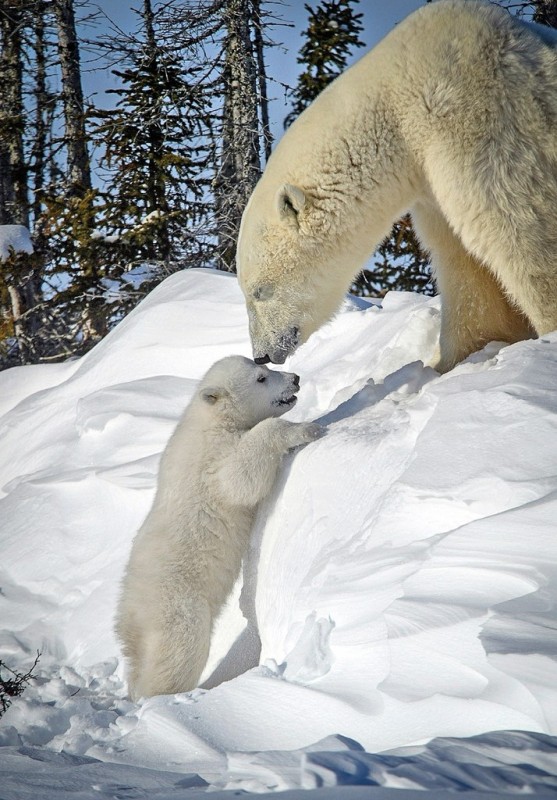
[305,432]
[312,431]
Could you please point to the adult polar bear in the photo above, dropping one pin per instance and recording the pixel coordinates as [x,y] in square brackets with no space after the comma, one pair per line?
[453,116]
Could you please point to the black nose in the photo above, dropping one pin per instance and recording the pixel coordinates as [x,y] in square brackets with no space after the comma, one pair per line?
[296,380]
[262,359]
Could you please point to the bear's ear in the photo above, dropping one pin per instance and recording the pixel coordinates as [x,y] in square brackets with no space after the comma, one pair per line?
[290,200]
[212,394]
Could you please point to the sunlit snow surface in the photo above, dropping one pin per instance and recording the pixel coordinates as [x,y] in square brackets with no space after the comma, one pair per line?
[402,576]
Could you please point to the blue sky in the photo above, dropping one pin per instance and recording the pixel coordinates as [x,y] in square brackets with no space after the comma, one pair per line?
[380,16]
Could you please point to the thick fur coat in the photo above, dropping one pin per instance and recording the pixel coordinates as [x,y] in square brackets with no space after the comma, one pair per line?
[453,116]
[221,461]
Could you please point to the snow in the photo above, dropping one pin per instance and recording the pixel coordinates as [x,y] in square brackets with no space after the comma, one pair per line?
[402,577]
[14,237]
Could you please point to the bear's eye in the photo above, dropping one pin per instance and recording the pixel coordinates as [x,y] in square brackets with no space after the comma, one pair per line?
[264,292]
[261,378]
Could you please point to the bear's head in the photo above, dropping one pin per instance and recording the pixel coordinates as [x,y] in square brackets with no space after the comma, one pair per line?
[243,393]
[292,268]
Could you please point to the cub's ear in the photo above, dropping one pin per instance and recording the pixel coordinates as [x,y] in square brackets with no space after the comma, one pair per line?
[290,200]
[212,394]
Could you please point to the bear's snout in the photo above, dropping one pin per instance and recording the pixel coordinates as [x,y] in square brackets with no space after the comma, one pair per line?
[283,346]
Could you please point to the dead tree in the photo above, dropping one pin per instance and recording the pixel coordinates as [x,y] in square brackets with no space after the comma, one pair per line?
[240,165]
[78,170]
[79,191]
[20,280]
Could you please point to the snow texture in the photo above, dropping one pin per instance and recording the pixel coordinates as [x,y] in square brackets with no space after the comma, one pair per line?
[402,577]
[16,238]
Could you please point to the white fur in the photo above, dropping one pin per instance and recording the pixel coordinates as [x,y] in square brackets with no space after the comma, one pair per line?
[453,116]
[221,461]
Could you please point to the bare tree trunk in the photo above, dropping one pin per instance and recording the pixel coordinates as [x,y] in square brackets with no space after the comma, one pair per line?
[262,78]
[18,271]
[240,166]
[13,175]
[41,96]
[78,177]
[79,172]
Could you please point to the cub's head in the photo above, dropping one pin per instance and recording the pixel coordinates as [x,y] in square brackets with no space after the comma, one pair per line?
[241,392]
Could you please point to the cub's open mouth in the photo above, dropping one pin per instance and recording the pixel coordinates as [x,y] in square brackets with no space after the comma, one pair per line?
[287,401]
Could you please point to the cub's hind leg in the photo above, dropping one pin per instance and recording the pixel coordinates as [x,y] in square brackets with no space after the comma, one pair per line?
[174,651]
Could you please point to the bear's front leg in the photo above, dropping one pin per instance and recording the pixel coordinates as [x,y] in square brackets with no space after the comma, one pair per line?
[288,435]
[247,474]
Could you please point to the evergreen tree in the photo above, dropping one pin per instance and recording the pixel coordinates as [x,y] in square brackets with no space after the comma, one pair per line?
[180,154]
[333,30]
[545,12]
[156,147]
[226,38]
[54,309]
[542,11]
[398,263]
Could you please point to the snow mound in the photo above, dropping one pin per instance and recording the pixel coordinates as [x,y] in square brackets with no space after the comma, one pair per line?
[402,579]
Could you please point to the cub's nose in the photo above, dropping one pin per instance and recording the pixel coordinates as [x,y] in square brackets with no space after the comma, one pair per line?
[296,380]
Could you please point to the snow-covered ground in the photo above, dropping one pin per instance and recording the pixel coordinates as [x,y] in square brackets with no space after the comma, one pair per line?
[402,577]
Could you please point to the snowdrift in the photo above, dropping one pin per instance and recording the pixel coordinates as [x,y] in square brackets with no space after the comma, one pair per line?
[402,579]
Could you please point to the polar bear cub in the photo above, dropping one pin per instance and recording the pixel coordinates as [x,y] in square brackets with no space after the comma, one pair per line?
[221,461]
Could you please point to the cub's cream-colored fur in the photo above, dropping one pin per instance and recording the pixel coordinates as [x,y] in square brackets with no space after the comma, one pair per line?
[453,116]
[221,461]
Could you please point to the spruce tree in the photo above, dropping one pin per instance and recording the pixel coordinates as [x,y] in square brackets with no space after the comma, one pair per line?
[179,155]
[545,12]
[399,263]
[226,38]
[333,31]
[155,148]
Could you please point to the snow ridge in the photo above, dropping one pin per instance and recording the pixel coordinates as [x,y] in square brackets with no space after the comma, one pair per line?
[399,598]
